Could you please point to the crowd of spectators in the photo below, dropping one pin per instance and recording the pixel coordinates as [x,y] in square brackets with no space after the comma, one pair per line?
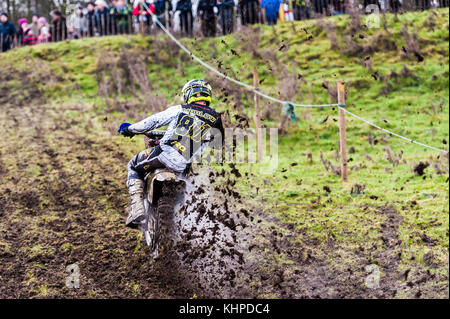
[215,17]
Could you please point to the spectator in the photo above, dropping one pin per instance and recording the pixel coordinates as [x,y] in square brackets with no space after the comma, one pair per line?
[443,3]
[226,15]
[121,17]
[339,6]
[160,10]
[371,2]
[44,32]
[59,27]
[144,17]
[422,5]
[205,10]
[272,8]
[249,10]
[35,24]
[91,20]
[301,10]
[19,33]
[7,32]
[77,25]
[28,38]
[103,18]
[288,15]
[320,7]
[186,20]
[394,5]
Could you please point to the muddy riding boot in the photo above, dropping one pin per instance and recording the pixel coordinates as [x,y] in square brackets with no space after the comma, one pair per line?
[137,209]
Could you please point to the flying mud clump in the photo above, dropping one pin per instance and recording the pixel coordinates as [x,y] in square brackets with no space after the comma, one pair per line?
[208,227]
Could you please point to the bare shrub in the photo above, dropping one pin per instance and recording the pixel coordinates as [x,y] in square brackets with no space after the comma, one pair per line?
[126,74]
[392,157]
[430,23]
[329,166]
[165,51]
[331,90]
[411,49]
[394,77]
[355,17]
[330,30]
[357,189]
[352,48]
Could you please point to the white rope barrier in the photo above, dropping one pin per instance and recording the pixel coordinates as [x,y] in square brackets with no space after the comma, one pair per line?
[206,65]
[271,98]
[392,133]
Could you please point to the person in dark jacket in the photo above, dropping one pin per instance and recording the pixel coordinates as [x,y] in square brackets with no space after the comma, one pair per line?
[91,20]
[300,10]
[321,6]
[103,18]
[59,27]
[160,11]
[226,15]
[249,10]
[423,4]
[394,5]
[205,10]
[186,19]
[7,32]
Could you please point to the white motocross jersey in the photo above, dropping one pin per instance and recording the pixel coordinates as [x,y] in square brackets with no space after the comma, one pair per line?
[190,129]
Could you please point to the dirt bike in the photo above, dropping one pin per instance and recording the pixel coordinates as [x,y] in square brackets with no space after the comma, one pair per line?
[163,190]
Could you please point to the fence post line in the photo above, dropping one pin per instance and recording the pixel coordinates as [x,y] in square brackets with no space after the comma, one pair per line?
[166,15]
[342,132]
[257,116]
[141,17]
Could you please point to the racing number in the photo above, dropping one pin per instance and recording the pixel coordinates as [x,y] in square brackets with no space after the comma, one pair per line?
[196,129]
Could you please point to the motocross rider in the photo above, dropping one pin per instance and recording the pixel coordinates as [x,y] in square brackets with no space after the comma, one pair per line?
[190,129]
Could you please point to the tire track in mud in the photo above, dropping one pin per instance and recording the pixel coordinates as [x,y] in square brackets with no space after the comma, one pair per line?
[389,258]
[71,212]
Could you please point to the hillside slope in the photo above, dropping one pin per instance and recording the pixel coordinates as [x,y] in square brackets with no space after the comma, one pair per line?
[300,232]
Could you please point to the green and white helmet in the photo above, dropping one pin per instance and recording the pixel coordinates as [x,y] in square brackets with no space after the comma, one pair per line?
[197,90]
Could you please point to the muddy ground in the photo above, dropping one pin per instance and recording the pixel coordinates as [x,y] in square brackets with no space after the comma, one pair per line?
[63,201]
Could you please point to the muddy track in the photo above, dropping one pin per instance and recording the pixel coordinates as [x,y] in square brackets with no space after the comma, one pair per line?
[71,211]
[63,201]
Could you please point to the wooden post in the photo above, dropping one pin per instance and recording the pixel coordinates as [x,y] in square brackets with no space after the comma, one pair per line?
[257,117]
[342,132]
[141,17]
[166,15]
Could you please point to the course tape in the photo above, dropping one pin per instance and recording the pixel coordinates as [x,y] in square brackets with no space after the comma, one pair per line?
[392,133]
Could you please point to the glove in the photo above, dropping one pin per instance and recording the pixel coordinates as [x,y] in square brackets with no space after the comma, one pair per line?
[123,130]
